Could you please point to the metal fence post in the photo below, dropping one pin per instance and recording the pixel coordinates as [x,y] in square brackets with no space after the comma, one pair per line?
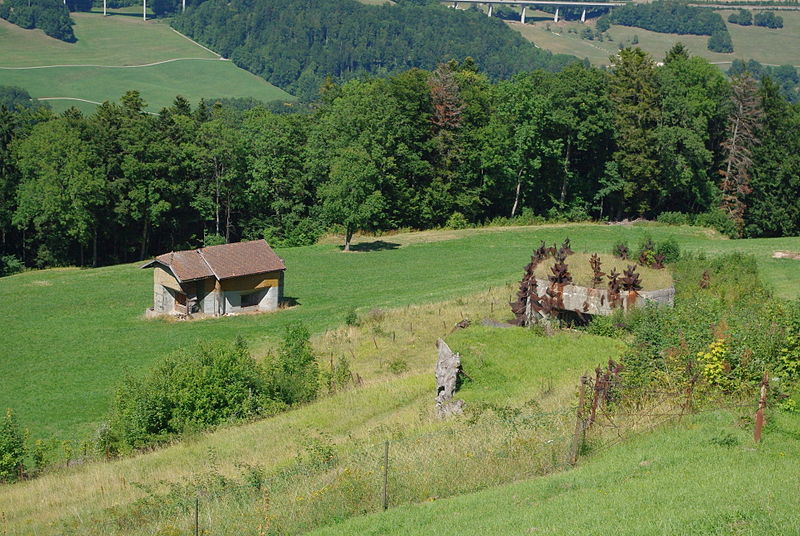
[196,516]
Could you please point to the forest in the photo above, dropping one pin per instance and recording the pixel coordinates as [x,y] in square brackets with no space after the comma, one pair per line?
[418,149]
[295,45]
[670,16]
[52,16]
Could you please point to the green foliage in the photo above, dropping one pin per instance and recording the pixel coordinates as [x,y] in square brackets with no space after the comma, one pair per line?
[456,221]
[732,331]
[674,218]
[768,19]
[668,16]
[9,264]
[743,17]
[338,377]
[294,374]
[646,251]
[670,249]
[353,39]
[398,365]
[351,318]
[213,239]
[51,16]
[192,389]
[12,448]
[720,41]
[717,219]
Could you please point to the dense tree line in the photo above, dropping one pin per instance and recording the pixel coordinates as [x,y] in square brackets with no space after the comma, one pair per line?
[786,76]
[671,16]
[416,149]
[51,16]
[297,44]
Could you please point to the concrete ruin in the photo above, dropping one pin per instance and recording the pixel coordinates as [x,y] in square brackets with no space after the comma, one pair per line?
[217,280]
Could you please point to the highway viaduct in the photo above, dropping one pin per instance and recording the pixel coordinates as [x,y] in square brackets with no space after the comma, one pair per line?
[525,3]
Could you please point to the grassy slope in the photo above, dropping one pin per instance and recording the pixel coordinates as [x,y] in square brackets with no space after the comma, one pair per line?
[70,334]
[767,46]
[673,482]
[507,366]
[122,40]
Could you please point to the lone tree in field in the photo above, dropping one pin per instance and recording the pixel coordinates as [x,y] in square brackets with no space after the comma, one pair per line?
[743,124]
[351,197]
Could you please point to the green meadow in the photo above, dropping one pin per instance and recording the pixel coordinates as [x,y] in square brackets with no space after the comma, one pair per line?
[72,333]
[777,47]
[704,476]
[115,54]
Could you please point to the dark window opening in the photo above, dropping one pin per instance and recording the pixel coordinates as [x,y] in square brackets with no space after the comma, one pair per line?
[249,300]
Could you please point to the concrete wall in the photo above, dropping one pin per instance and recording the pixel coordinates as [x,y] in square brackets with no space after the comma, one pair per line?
[595,301]
[218,298]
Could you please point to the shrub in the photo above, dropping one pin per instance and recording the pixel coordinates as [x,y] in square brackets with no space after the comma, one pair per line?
[717,219]
[192,389]
[646,252]
[9,264]
[213,239]
[456,221]
[674,218]
[351,318]
[398,365]
[294,375]
[670,249]
[12,448]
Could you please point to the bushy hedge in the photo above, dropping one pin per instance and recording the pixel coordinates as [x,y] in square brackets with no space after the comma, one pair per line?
[768,19]
[12,448]
[728,331]
[208,384]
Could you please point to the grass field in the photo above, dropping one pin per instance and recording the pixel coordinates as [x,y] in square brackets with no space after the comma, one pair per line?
[776,47]
[508,367]
[70,334]
[107,61]
[678,481]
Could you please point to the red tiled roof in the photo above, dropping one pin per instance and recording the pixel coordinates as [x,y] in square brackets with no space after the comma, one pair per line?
[222,262]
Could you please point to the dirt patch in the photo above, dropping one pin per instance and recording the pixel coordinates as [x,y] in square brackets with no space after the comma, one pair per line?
[786,255]
[40,283]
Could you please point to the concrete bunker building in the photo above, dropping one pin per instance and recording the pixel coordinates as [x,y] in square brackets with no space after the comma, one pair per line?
[217,280]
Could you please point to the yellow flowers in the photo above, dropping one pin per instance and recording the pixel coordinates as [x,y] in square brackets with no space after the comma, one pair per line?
[713,362]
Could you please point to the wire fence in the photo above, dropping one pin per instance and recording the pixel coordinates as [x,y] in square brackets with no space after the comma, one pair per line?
[488,446]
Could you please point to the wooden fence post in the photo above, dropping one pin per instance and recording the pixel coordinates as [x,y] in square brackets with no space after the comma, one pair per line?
[386,475]
[580,427]
[762,403]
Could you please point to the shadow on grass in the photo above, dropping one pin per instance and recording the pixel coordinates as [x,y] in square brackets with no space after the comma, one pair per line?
[377,245]
[290,301]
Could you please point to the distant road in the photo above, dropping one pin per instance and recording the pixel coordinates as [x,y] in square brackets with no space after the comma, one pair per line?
[112,66]
[79,100]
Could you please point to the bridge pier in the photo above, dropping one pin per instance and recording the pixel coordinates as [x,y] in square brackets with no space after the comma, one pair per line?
[555,18]
[490,10]
[522,17]
[583,15]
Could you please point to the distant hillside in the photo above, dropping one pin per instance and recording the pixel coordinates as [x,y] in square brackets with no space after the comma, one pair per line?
[296,44]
